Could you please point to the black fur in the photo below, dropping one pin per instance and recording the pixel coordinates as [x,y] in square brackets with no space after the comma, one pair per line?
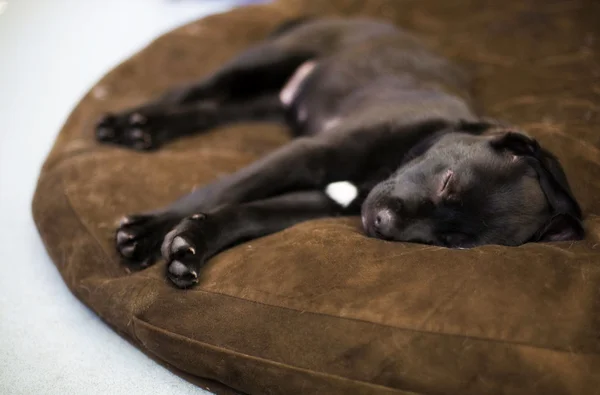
[376,108]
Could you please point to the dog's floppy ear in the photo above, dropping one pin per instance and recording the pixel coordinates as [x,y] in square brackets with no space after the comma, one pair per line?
[480,126]
[561,227]
[565,223]
[515,142]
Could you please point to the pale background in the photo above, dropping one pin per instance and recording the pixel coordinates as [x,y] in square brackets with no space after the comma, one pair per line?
[51,52]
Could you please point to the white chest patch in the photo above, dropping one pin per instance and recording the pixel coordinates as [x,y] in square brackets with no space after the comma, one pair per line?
[290,90]
[342,192]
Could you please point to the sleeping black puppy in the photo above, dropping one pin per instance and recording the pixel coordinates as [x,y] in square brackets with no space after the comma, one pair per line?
[369,105]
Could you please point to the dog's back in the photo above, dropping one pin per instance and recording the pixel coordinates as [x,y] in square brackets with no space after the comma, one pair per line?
[370,67]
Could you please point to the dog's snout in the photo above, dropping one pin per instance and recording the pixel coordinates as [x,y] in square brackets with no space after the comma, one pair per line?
[384,223]
[380,223]
[381,213]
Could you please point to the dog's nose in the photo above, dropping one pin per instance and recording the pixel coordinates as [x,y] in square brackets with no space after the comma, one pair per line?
[383,223]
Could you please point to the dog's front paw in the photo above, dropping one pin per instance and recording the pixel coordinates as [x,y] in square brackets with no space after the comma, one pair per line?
[185,249]
[135,130]
[139,237]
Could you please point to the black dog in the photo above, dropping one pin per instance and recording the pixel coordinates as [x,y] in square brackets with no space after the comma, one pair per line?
[371,106]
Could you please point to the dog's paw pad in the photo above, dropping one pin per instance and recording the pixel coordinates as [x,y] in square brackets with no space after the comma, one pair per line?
[131,219]
[137,119]
[180,247]
[182,275]
[105,128]
[138,238]
[105,133]
[128,250]
[124,237]
[139,139]
[137,130]
[185,248]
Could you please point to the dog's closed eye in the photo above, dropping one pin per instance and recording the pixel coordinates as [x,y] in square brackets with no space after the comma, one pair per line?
[446,185]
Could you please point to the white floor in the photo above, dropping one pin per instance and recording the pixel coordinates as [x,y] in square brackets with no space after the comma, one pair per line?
[51,52]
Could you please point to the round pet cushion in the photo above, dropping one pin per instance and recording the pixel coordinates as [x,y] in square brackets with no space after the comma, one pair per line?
[320,308]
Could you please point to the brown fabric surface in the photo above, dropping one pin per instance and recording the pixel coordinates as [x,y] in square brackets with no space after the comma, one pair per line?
[320,308]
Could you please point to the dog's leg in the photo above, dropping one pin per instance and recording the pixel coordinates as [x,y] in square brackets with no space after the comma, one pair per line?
[259,73]
[195,239]
[306,163]
[155,128]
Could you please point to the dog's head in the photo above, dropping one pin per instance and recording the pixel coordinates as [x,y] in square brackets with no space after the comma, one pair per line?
[476,184]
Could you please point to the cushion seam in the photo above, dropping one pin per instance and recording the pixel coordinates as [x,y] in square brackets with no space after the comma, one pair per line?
[471,337]
[265,360]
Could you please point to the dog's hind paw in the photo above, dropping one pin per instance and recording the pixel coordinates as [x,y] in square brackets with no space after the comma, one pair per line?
[132,130]
[139,237]
[185,250]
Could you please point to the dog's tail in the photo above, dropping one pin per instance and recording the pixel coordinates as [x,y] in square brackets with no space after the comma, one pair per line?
[290,25]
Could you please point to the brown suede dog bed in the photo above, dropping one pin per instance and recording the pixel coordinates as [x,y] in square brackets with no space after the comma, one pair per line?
[320,308]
